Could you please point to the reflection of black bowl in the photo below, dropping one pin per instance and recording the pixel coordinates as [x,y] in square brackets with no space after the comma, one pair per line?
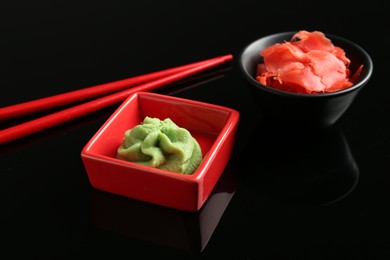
[188,231]
[311,168]
[305,109]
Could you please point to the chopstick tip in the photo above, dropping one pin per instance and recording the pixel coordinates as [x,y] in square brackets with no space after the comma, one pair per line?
[228,57]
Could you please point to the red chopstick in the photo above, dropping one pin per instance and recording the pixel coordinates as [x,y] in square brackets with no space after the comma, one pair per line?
[45,122]
[46,103]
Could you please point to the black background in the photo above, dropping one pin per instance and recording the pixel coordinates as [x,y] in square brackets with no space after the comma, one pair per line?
[320,194]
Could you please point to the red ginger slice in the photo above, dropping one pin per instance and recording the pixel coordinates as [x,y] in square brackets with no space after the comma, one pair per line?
[309,63]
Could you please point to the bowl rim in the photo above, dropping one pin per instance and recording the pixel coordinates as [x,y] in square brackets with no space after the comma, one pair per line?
[369,67]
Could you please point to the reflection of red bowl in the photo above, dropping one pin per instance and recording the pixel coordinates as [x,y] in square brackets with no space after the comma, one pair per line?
[188,231]
[214,127]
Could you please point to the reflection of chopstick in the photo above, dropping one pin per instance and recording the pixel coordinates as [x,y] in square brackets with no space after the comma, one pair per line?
[193,82]
[36,125]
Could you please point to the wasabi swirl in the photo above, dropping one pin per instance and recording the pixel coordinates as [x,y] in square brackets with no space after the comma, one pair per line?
[161,144]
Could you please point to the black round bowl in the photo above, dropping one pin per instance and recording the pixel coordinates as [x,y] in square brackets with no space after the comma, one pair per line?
[318,110]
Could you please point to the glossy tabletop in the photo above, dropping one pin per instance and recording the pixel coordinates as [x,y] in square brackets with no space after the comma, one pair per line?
[286,193]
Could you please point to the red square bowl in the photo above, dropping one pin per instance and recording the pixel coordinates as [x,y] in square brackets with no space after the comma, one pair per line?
[213,126]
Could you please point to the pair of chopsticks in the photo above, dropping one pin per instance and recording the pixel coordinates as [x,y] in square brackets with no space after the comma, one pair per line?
[106,95]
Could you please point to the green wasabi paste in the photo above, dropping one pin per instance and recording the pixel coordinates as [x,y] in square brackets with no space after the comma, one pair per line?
[161,144]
